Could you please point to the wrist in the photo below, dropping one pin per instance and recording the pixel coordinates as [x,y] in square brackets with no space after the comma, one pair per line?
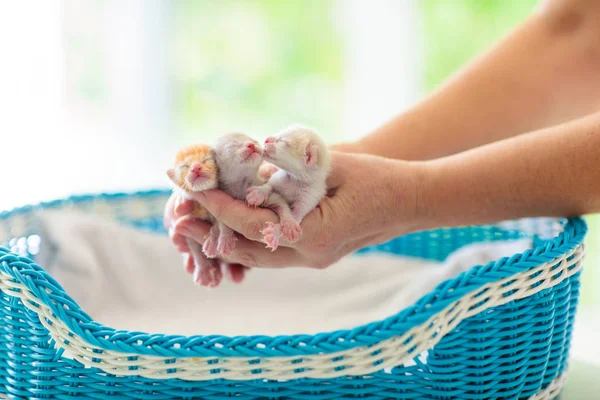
[410,196]
[431,195]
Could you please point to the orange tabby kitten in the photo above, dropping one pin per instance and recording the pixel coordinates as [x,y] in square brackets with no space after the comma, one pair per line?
[196,170]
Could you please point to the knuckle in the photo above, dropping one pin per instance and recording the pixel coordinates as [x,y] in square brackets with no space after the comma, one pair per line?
[319,264]
[251,229]
[325,262]
[248,260]
[180,243]
[217,211]
[220,210]
[178,239]
[324,241]
[181,208]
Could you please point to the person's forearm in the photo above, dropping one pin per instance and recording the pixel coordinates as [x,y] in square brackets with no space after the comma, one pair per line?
[553,172]
[545,72]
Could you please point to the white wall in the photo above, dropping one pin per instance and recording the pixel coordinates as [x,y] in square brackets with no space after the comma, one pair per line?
[56,142]
[383,60]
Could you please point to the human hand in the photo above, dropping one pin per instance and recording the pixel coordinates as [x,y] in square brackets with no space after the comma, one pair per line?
[370,200]
[177,207]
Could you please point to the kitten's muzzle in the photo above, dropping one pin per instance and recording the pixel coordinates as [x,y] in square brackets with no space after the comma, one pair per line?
[269,149]
[250,150]
[197,171]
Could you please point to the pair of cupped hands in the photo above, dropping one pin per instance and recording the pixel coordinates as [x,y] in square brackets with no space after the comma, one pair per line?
[370,200]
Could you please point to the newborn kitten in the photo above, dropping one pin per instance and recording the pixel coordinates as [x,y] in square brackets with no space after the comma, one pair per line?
[239,158]
[304,163]
[195,170]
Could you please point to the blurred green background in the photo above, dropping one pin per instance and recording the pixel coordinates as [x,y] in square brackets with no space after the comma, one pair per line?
[255,65]
[457,30]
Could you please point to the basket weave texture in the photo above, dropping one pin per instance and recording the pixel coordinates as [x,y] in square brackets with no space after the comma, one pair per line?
[496,331]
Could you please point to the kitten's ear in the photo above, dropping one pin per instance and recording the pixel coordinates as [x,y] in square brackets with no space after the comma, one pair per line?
[310,153]
[171,174]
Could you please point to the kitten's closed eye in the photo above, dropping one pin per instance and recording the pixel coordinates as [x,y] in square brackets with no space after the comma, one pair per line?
[231,147]
[182,166]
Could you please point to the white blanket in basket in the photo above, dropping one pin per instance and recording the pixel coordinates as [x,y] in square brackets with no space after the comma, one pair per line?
[134,280]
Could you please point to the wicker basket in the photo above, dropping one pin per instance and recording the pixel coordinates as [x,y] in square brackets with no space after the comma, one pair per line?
[498,331]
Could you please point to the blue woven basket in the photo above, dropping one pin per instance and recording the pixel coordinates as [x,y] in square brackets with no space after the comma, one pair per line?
[498,331]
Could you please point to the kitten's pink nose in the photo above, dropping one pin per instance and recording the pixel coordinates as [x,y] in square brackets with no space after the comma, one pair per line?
[196,168]
[270,139]
[251,146]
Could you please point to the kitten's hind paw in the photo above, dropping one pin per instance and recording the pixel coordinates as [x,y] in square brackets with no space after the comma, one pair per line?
[210,247]
[255,197]
[290,230]
[209,276]
[226,244]
[271,234]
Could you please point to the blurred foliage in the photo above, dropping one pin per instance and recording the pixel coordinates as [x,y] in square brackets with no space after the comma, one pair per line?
[255,65]
[457,30]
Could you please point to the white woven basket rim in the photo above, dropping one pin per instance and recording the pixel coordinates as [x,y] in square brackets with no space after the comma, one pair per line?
[362,360]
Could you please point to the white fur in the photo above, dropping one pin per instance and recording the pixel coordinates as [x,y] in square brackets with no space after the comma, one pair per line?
[301,184]
[236,172]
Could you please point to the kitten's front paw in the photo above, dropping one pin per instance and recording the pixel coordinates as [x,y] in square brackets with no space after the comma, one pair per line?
[271,235]
[290,230]
[210,247]
[209,276]
[255,197]
[266,170]
[226,244]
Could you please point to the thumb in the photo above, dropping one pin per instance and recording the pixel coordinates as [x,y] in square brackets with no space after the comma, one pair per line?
[339,164]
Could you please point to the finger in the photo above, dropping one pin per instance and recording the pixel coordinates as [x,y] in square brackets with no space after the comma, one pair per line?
[183,208]
[174,208]
[234,272]
[339,169]
[168,215]
[188,263]
[247,253]
[255,254]
[236,214]
[180,242]
[192,228]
